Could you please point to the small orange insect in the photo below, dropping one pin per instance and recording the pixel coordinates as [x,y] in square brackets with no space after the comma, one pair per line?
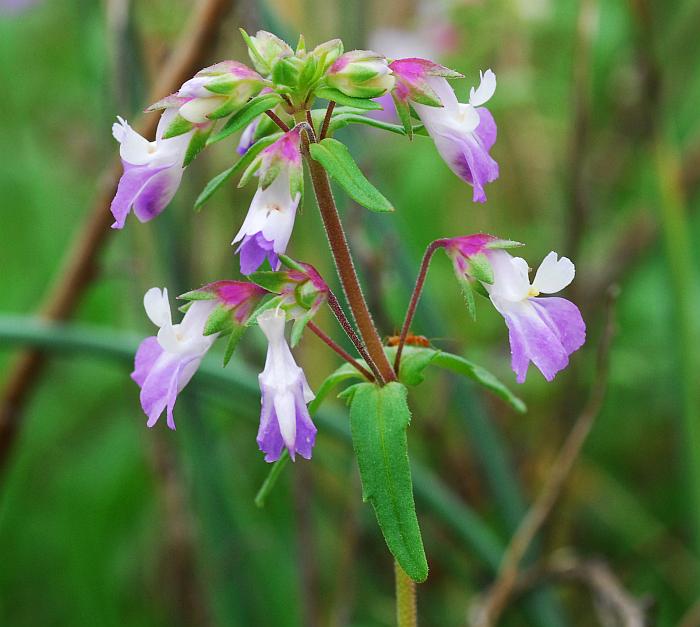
[411,340]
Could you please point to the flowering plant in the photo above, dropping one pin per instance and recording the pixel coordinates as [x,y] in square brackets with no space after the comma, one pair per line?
[275,107]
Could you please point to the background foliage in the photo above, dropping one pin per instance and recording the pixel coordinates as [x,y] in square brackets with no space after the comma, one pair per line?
[103,522]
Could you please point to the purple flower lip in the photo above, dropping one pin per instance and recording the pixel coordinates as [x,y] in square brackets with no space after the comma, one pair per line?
[165,363]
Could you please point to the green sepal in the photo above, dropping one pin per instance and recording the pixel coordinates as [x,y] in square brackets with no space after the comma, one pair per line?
[287,71]
[179,126]
[226,109]
[503,244]
[299,326]
[479,288]
[272,281]
[250,155]
[379,417]
[197,295]
[219,321]
[237,331]
[251,46]
[222,86]
[185,307]
[268,176]
[309,73]
[480,268]
[245,115]
[328,93]
[338,162]
[403,110]
[290,263]
[301,45]
[468,293]
[275,301]
[196,145]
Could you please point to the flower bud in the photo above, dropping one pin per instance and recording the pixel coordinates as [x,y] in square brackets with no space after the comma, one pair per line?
[265,50]
[218,90]
[327,53]
[361,74]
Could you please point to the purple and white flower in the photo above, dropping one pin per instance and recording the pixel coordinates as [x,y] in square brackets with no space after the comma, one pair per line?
[165,363]
[268,226]
[463,132]
[152,170]
[544,331]
[284,420]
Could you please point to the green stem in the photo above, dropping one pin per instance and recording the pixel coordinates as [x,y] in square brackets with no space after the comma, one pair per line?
[406,613]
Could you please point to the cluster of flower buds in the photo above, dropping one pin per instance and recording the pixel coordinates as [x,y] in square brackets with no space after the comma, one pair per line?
[272,103]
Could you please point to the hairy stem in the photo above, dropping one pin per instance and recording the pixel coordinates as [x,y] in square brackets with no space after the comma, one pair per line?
[277,120]
[340,351]
[406,614]
[415,296]
[351,333]
[346,268]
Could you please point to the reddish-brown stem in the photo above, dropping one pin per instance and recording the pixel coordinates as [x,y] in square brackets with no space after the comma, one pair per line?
[310,120]
[413,303]
[341,351]
[277,120]
[352,334]
[327,119]
[346,268]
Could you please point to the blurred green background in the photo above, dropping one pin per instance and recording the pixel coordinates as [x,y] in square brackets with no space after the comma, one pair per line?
[104,522]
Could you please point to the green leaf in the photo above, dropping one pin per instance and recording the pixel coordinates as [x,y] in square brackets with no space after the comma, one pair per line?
[196,145]
[240,165]
[328,93]
[344,119]
[379,417]
[235,336]
[245,115]
[483,377]
[414,361]
[338,162]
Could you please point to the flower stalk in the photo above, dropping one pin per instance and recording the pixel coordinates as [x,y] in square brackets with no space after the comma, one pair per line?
[346,269]
[415,296]
[339,350]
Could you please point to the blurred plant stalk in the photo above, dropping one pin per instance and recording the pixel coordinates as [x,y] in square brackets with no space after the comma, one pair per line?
[679,254]
[79,268]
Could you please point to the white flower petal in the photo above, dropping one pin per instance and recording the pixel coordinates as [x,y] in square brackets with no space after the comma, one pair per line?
[553,275]
[134,148]
[485,90]
[157,307]
[286,417]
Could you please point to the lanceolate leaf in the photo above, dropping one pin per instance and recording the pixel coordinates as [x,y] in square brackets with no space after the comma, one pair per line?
[338,162]
[238,167]
[245,115]
[328,93]
[234,337]
[481,376]
[379,417]
[196,145]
